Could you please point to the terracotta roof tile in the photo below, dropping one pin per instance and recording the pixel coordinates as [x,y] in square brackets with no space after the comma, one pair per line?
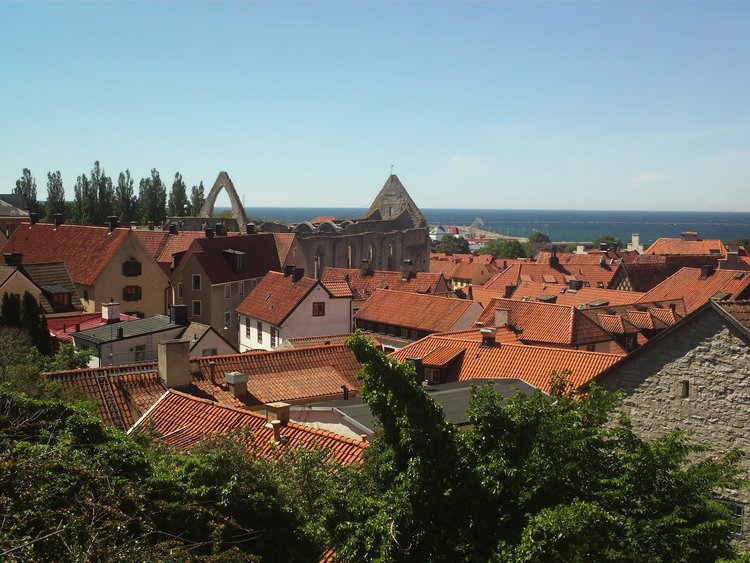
[546,322]
[182,420]
[666,245]
[592,273]
[284,243]
[85,250]
[328,340]
[738,310]
[591,257]
[431,313]
[532,364]
[442,355]
[338,289]
[275,297]
[696,290]
[365,285]
[563,295]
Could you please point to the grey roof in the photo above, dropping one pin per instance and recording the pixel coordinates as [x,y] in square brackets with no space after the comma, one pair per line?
[394,197]
[194,332]
[16,200]
[51,278]
[453,397]
[130,329]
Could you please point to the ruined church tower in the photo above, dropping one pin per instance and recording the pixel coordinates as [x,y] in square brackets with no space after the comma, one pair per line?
[392,201]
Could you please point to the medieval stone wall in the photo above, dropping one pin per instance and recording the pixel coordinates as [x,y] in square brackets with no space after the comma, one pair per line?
[708,360]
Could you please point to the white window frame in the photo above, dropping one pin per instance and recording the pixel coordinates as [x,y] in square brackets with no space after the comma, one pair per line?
[259,327]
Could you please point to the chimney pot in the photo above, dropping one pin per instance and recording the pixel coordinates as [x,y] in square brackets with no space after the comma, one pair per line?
[58,219]
[172,229]
[112,221]
[488,337]
[237,382]
[111,312]
[276,425]
[250,228]
[209,232]
[33,219]
[278,411]
[212,371]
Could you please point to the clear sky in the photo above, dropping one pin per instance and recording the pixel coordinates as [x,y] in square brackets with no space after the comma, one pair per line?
[576,105]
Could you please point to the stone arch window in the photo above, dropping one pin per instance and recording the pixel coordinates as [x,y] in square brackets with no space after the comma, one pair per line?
[349,256]
[238,210]
[390,256]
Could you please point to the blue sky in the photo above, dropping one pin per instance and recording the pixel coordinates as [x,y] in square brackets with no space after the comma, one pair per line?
[477,105]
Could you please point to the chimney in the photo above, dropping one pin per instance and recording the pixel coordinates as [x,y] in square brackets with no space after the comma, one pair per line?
[706,271]
[732,260]
[288,270]
[112,222]
[509,289]
[298,274]
[111,312]
[209,232]
[172,229]
[603,246]
[488,336]
[58,219]
[219,228]
[345,391]
[151,225]
[575,285]
[212,371]
[278,411]
[690,235]
[12,258]
[366,267]
[407,270]
[33,219]
[580,249]
[237,382]
[120,333]
[554,261]
[502,317]
[276,426]
[250,228]
[174,363]
[178,315]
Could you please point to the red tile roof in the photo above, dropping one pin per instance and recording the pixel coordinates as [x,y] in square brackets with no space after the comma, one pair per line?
[85,250]
[479,258]
[275,297]
[667,245]
[363,285]
[592,257]
[532,364]
[291,375]
[431,313]
[689,285]
[261,256]
[533,291]
[338,289]
[62,328]
[284,243]
[592,273]
[546,322]
[321,219]
[176,244]
[182,420]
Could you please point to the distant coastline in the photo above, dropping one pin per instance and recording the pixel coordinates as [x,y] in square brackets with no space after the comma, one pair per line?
[569,225]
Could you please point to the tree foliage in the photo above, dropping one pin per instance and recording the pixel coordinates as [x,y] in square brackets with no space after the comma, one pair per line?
[26,186]
[539,236]
[610,240]
[454,244]
[152,199]
[197,199]
[536,478]
[101,196]
[55,196]
[178,199]
[125,201]
[507,248]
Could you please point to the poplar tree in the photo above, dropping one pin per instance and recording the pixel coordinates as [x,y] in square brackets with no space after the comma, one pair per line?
[152,199]
[125,201]
[11,312]
[103,194]
[197,199]
[26,186]
[55,195]
[178,200]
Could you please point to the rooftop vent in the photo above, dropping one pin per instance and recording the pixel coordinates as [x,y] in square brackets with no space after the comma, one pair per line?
[488,337]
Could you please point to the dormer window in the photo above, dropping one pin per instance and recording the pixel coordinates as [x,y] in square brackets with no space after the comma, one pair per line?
[236,259]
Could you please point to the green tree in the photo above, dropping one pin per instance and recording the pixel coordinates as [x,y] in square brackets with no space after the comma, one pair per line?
[744,242]
[152,199]
[26,186]
[197,199]
[178,199]
[450,243]
[572,247]
[55,195]
[69,357]
[125,201]
[539,236]
[14,344]
[534,478]
[609,239]
[101,189]
[34,323]
[11,310]
[81,206]
[505,248]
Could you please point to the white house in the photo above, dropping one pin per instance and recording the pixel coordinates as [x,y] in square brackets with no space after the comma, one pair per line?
[290,305]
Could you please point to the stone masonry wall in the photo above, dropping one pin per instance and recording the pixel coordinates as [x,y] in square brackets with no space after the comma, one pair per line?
[714,359]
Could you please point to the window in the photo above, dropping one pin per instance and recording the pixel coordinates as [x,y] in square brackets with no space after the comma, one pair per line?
[274,336]
[62,299]
[253,283]
[140,352]
[260,332]
[196,282]
[432,375]
[319,309]
[131,268]
[209,352]
[227,319]
[131,293]
[228,291]
[294,252]
[737,511]
[685,389]
[591,347]
[197,308]
[179,290]
[241,288]
[248,330]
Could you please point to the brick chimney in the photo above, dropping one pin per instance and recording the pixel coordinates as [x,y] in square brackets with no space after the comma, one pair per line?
[488,337]
[174,363]
[237,382]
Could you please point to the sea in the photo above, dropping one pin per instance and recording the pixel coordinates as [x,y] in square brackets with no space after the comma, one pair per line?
[568,225]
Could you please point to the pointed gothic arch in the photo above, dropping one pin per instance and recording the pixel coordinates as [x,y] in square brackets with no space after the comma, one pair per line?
[223,182]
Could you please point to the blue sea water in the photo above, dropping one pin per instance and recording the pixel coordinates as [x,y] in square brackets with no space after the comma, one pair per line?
[570,226]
